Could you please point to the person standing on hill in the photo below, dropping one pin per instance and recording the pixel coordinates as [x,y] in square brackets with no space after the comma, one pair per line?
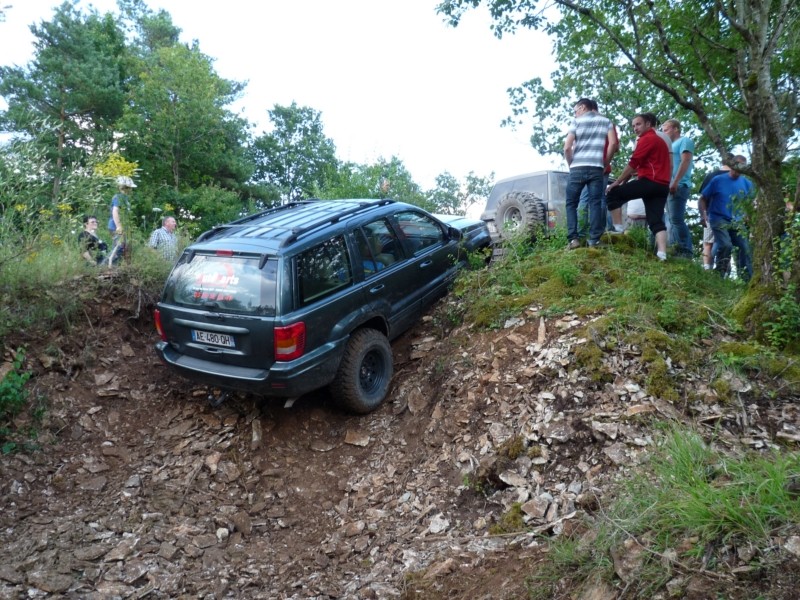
[164,239]
[650,162]
[120,208]
[588,148]
[709,252]
[682,156]
[584,201]
[721,206]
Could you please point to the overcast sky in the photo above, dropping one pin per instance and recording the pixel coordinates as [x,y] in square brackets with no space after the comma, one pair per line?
[389,77]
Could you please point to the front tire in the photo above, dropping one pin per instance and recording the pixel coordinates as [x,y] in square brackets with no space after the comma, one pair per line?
[364,375]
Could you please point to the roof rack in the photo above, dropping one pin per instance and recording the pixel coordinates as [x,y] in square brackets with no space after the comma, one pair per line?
[241,221]
[361,206]
[331,216]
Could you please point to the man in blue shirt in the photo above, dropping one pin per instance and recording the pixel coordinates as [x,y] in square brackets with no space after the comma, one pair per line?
[721,207]
[120,207]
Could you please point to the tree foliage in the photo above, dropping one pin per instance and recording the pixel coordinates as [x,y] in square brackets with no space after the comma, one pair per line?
[105,90]
[156,102]
[453,197]
[726,67]
[176,125]
[296,157]
[75,84]
[151,30]
[382,179]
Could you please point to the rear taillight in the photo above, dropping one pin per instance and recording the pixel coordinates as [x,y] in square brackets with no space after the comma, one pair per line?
[159,328]
[290,341]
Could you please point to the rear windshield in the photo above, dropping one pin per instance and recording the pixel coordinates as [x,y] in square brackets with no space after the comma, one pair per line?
[223,283]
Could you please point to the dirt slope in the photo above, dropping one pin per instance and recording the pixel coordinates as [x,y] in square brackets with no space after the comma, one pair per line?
[140,488]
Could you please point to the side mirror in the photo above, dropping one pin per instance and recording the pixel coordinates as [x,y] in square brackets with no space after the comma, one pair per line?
[454,234]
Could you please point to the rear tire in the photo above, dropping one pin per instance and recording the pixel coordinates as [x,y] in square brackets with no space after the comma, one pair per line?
[364,375]
[518,213]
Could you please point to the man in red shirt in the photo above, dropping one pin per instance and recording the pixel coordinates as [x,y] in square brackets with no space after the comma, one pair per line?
[651,162]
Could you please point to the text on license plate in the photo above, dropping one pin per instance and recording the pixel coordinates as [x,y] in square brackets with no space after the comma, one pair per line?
[217,339]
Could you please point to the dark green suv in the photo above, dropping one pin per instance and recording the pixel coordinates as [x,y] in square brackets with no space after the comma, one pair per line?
[306,295]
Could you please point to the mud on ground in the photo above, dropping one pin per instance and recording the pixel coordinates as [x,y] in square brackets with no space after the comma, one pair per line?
[139,487]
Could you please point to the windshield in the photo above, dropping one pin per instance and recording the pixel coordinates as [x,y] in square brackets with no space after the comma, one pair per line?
[232,284]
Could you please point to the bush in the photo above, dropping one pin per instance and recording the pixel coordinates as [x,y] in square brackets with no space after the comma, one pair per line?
[783,331]
[13,395]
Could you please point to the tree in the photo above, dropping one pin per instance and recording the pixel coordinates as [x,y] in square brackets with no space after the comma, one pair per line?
[393,180]
[452,197]
[731,65]
[296,157]
[152,30]
[74,83]
[190,147]
[382,179]
[351,180]
[176,125]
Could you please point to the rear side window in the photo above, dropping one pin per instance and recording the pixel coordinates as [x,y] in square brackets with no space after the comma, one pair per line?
[536,184]
[323,270]
[225,283]
[558,186]
[419,230]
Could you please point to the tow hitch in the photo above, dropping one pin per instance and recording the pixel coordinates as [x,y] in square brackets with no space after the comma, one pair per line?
[215,399]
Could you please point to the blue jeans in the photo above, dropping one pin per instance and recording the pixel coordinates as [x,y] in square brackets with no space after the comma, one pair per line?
[583,210]
[679,234]
[727,235]
[591,178]
[118,244]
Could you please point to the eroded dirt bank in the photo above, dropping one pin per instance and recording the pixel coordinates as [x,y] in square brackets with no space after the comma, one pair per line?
[140,488]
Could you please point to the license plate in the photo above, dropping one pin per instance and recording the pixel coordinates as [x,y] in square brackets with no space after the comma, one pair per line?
[216,339]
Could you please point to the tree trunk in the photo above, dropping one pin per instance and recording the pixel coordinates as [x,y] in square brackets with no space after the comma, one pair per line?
[59,155]
[768,153]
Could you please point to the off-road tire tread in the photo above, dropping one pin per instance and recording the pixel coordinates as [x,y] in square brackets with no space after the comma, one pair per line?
[345,388]
[531,209]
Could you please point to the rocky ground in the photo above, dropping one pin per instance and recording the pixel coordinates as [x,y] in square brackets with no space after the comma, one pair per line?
[141,488]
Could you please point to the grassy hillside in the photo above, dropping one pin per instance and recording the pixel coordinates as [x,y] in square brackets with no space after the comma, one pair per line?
[700,497]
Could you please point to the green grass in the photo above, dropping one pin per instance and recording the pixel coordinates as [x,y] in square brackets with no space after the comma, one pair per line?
[44,282]
[622,278]
[637,299]
[689,507]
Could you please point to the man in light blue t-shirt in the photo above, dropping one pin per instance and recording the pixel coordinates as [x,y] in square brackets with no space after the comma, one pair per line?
[682,157]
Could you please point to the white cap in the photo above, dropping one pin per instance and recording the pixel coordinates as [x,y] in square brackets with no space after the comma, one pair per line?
[125,181]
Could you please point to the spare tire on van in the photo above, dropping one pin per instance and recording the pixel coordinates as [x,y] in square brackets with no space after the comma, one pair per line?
[520,212]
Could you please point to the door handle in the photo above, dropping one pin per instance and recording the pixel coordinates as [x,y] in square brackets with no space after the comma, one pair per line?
[376,289]
[427,263]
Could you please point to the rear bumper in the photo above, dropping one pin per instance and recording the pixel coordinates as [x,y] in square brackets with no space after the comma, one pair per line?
[283,380]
